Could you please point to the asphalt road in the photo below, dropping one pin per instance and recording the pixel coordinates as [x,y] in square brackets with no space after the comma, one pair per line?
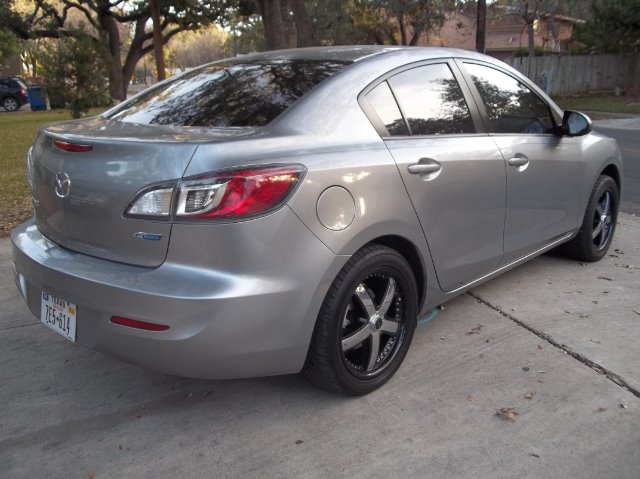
[629,141]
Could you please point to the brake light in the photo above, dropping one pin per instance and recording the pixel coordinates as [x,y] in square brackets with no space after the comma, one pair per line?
[23,92]
[73,147]
[237,194]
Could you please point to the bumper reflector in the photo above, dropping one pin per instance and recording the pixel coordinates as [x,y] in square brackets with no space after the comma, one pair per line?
[133,323]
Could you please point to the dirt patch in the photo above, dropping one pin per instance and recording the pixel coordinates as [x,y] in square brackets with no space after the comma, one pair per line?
[16,212]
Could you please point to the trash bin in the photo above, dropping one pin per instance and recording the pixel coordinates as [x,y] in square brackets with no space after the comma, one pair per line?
[37,98]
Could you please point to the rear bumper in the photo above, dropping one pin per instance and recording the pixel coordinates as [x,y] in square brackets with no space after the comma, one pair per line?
[255,319]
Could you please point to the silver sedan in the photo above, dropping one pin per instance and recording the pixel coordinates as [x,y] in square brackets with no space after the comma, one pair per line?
[298,210]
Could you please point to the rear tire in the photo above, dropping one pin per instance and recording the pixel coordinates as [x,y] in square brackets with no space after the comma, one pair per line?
[599,224]
[10,104]
[365,324]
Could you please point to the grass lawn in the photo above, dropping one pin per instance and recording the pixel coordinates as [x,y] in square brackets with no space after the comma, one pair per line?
[18,130]
[601,107]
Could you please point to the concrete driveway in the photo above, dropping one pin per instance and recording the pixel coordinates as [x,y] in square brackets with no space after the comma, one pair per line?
[553,344]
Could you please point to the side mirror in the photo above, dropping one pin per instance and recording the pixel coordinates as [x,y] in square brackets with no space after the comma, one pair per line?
[575,123]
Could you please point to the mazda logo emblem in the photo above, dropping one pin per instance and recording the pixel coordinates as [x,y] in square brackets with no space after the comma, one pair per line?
[62,184]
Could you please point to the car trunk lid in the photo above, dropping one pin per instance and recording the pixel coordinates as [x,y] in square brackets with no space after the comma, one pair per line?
[81,194]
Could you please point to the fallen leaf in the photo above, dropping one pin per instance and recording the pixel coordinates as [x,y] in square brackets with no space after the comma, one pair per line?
[606,278]
[525,368]
[540,381]
[623,406]
[470,397]
[299,441]
[509,413]
[539,346]
[530,395]
[476,330]
[600,409]
[533,454]
[92,475]
[619,251]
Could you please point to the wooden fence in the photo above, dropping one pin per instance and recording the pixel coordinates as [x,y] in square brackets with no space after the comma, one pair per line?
[564,75]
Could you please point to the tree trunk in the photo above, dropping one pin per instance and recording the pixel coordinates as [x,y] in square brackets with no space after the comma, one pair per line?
[403,29]
[157,40]
[531,32]
[481,26]
[304,33]
[273,25]
[113,60]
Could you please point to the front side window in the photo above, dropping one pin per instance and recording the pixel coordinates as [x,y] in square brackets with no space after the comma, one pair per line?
[227,94]
[432,101]
[511,106]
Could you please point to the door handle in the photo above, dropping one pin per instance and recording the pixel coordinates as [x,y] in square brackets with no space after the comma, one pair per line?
[427,168]
[518,161]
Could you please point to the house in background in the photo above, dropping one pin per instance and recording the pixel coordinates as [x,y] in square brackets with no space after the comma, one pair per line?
[506,34]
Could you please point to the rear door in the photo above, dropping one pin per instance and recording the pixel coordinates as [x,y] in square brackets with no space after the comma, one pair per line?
[455,175]
[545,170]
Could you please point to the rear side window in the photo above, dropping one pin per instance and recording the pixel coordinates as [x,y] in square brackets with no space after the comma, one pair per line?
[382,101]
[227,94]
[511,106]
[432,101]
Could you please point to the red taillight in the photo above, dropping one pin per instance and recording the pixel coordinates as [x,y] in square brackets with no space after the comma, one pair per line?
[23,92]
[73,147]
[237,194]
[134,323]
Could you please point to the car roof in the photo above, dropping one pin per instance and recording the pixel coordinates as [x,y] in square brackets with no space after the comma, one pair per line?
[349,54]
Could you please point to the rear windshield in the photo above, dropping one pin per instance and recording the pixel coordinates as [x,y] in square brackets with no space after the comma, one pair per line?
[227,94]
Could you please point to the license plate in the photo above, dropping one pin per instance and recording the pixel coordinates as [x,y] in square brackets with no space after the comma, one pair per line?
[59,315]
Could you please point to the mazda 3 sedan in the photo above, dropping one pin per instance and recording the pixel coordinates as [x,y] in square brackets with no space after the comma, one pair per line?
[298,210]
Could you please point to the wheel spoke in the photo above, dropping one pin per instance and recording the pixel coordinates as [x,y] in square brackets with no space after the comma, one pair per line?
[388,297]
[599,210]
[375,348]
[603,237]
[607,201]
[356,338]
[389,326]
[597,230]
[365,300]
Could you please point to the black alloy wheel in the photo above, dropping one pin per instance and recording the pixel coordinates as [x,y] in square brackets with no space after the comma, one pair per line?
[598,227]
[366,323]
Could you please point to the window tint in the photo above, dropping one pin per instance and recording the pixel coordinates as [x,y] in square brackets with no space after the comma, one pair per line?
[227,94]
[511,106]
[432,101]
[382,101]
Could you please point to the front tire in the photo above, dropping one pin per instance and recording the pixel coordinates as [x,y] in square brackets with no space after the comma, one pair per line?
[365,324]
[599,224]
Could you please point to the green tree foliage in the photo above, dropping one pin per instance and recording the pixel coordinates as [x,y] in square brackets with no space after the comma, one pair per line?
[400,22]
[9,45]
[120,28]
[76,74]
[614,27]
